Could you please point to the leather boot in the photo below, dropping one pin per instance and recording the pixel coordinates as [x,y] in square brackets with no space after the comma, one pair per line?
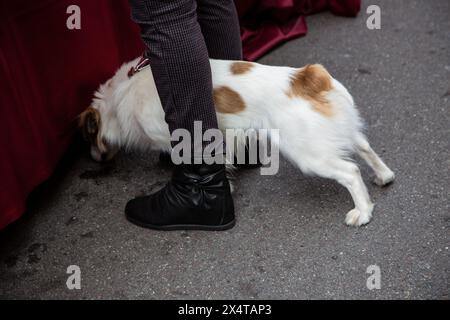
[198,197]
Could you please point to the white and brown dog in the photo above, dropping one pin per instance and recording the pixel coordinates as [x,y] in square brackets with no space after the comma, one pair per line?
[318,122]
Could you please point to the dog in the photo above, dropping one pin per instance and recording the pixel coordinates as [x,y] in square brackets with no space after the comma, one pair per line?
[319,125]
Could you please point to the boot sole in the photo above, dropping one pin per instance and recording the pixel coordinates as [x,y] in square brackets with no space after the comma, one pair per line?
[181,227]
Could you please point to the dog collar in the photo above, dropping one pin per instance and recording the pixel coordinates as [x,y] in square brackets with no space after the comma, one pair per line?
[142,64]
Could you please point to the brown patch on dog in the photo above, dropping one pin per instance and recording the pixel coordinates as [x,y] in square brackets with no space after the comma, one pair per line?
[90,124]
[312,83]
[238,68]
[228,100]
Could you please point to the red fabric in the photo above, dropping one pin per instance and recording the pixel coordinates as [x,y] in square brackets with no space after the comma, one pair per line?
[266,24]
[47,76]
[48,73]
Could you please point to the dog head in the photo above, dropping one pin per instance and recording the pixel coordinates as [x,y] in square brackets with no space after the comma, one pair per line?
[93,131]
[99,123]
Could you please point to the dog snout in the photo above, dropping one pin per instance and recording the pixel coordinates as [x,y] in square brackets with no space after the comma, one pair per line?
[96,154]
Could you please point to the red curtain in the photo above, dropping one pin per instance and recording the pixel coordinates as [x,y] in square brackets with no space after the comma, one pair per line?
[48,73]
[47,76]
[266,24]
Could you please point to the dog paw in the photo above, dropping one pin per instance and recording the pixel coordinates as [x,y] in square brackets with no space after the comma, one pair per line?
[356,218]
[385,179]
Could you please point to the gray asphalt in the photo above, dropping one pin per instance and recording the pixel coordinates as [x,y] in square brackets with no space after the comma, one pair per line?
[290,241]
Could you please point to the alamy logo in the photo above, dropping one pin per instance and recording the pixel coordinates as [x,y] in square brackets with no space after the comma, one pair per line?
[374,280]
[241,145]
[74,280]
[74,20]
[374,20]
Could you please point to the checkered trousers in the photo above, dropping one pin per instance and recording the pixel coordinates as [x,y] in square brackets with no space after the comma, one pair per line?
[181,36]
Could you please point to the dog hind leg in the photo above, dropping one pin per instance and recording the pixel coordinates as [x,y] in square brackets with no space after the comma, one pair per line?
[347,174]
[383,175]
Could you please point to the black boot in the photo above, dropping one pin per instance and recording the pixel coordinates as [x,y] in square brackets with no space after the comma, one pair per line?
[197,198]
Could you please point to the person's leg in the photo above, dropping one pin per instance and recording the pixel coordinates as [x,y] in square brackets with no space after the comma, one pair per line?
[179,60]
[219,22]
[220,27]
[198,196]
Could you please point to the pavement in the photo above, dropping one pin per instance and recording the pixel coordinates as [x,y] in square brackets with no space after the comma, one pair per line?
[290,241]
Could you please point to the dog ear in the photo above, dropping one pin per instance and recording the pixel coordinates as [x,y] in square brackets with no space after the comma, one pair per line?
[89,123]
